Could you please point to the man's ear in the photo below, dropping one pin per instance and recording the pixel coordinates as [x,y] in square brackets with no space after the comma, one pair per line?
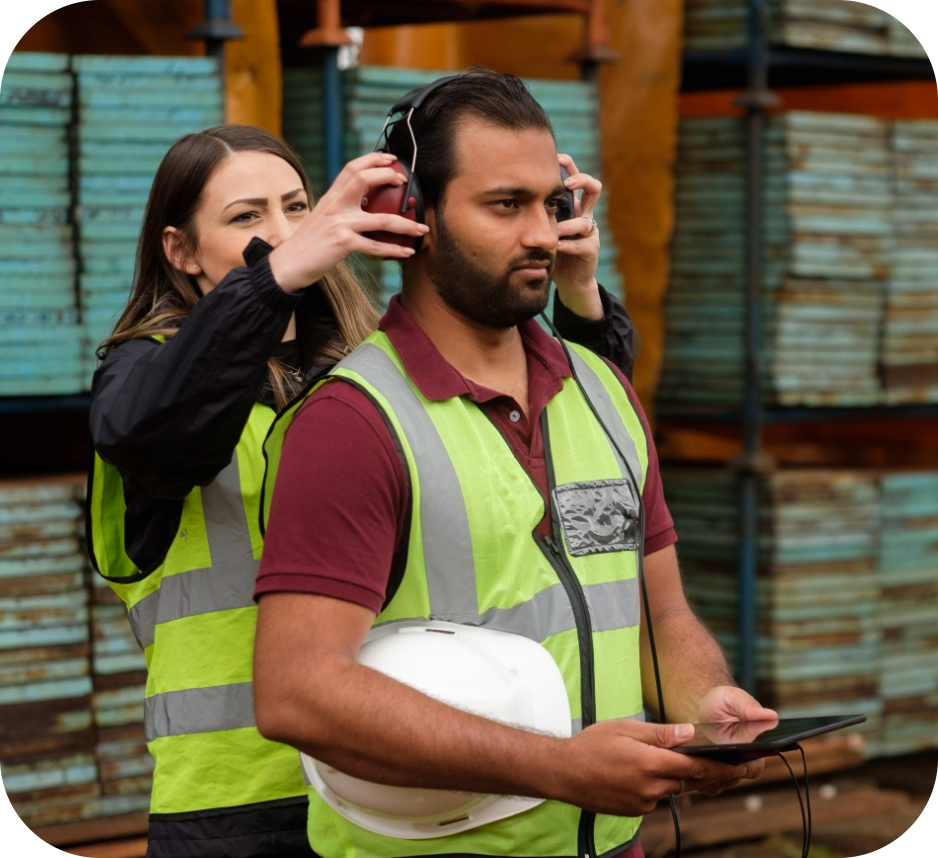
[174,246]
[429,240]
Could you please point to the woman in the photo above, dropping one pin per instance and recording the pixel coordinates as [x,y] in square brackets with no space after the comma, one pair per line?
[206,353]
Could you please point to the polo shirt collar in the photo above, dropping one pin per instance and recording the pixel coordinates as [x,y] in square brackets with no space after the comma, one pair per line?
[437,379]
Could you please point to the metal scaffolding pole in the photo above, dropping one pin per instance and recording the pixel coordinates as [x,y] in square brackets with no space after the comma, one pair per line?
[215,30]
[757,99]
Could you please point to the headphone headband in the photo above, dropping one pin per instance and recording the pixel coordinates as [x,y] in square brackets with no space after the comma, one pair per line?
[413,99]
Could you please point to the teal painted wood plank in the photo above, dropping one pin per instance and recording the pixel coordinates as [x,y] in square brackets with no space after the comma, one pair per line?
[51,386]
[182,118]
[144,84]
[13,334]
[36,268]
[69,350]
[107,231]
[136,99]
[25,299]
[99,165]
[36,232]
[33,199]
[52,636]
[154,65]
[41,116]
[111,283]
[53,671]
[123,264]
[9,215]
[34,61]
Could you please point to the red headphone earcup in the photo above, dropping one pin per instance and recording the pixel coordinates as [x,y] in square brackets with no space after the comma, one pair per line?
[388,199]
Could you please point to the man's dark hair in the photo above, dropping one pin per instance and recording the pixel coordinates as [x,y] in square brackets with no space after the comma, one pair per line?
[500,99]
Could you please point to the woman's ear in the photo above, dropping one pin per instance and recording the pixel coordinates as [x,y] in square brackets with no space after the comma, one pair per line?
[174,246]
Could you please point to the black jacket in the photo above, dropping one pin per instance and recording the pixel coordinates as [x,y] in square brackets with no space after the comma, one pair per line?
[169,416]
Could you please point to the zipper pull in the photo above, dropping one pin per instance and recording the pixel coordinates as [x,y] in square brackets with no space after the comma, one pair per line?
[552,545]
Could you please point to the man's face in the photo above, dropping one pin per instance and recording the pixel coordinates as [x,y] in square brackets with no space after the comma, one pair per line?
[496,227]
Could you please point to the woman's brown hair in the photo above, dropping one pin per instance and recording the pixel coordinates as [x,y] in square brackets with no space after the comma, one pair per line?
[334,315]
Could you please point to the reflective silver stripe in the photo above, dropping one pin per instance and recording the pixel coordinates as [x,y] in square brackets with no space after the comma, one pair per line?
[596,392]
[447,544]
[576,724]
[143,618]
[225,585]
[613,605]
[199,710]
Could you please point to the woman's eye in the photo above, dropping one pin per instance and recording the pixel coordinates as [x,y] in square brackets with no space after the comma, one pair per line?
[297,207]
[244,217]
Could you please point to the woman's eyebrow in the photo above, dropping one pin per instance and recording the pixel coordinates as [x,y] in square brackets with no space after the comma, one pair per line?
[291,195]
[256,201]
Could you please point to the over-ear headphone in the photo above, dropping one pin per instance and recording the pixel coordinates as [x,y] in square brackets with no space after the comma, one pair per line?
[407,199]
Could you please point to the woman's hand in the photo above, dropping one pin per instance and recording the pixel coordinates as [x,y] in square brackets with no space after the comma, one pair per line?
[578,251]
[333,229]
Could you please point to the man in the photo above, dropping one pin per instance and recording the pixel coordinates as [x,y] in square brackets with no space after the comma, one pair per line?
[361,525]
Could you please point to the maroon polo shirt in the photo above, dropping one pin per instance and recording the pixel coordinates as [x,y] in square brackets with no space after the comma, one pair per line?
[337,511]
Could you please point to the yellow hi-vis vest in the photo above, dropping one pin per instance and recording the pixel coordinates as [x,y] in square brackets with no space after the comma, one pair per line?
[194,617]
[472,558]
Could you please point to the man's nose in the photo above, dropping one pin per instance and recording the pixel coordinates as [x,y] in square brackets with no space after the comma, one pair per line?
[540,230]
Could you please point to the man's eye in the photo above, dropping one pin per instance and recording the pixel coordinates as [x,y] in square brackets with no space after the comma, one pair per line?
[506,204]
[554,204]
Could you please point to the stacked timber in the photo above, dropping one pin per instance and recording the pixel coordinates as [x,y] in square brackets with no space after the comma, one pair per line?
[818,640]
[303,121]
[124,763]
[910,327]
[827,249]
[47,740]
[130,111]
[40,339]
[369,92]
[830,25]
[908,563]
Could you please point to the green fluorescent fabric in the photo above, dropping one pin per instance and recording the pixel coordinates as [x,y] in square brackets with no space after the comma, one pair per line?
[195,619]
[472,559]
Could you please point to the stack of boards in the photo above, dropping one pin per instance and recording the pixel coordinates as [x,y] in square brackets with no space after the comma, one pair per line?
[46,722]
[817,589]
[71,687]
[40,338]
[909,612]
[369,92]
[910,325]
[830,25]
[130,111]
[827,249]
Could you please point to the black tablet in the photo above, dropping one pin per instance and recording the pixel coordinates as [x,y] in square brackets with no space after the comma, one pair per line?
[740,741]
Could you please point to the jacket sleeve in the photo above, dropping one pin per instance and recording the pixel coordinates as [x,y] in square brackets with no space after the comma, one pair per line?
[169,416]
[610,337]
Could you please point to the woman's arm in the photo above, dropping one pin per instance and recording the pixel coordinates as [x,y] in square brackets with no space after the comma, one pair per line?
[169,416]
[610,337]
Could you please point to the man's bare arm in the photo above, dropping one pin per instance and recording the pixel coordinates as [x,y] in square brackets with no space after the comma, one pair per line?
[312,694]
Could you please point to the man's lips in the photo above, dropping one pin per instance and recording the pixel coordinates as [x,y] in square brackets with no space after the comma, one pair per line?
[532,269]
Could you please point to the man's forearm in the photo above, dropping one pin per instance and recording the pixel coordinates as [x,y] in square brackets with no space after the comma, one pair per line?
[690,661]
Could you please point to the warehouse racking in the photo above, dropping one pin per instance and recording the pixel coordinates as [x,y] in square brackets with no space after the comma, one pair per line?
[758,66]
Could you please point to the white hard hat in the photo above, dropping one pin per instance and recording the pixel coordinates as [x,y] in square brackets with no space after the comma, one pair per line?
[500,676]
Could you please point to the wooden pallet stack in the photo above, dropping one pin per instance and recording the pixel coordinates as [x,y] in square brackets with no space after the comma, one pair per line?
[910,326]
[828,243]
[369,92]
[908,563]
[120,677]
[833,25]
[41,350]
[130,111]
[817,590]
[46,722]
[303,121]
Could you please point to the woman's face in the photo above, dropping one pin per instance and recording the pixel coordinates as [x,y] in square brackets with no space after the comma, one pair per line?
[249,194]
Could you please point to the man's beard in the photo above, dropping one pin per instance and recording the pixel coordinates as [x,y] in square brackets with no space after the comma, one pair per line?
[485,298]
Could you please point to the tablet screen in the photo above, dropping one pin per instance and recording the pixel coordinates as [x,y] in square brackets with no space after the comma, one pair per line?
[776,734]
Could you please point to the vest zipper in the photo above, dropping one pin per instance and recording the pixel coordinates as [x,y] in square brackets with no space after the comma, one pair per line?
[586,845]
